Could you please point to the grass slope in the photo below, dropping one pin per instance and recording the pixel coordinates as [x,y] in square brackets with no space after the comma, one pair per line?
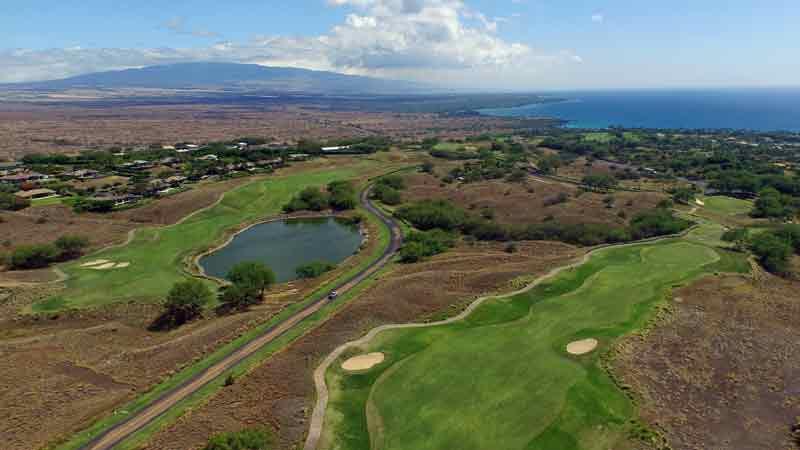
[501,378]
[156,255]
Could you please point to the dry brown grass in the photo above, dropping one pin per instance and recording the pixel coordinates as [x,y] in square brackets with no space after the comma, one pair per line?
[515,203]
[28,128]
[722,370]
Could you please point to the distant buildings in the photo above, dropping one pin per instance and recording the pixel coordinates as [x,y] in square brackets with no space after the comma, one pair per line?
[35,193]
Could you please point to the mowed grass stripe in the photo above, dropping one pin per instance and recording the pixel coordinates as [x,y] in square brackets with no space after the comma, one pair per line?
[501,378]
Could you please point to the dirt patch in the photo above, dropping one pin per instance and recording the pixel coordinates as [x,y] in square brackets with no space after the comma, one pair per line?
[280,393]
[520,204]
[721,371]
[363,362]
[582,347]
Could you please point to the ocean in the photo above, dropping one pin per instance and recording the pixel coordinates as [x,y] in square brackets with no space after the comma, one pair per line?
[741,109]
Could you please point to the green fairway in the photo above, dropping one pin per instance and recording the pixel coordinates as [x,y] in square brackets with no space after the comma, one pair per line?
[157,255]
[727,205]
[501,378]
[599,136]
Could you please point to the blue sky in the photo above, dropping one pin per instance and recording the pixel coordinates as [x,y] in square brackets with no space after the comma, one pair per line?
[509,44]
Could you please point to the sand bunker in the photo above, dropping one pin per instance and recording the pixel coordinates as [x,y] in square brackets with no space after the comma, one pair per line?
[363,362]
[582,347]
[700,202]
[96,262]
[108,265]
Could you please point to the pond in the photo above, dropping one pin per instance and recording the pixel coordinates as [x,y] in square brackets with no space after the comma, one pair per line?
[285,245]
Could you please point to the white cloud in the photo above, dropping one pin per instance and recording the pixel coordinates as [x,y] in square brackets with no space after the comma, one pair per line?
[598,18]
[427,40]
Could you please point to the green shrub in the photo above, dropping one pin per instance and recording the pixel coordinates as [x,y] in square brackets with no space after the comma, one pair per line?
[314,269]
[421,245]
[387,194]
[430,214]
[11,202]
[342,195]
[393,181]
[247,439]
[33,256]
[81,205]
[185,303]
[71,246]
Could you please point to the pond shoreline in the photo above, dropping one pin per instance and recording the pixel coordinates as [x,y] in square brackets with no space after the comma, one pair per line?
[195,269]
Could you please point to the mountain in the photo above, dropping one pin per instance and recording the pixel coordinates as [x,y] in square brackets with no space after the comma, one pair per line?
[229,76]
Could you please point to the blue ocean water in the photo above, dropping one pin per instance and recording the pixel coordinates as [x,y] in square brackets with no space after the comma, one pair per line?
[746,109]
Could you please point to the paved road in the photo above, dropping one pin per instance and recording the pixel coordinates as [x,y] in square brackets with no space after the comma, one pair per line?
[115,435]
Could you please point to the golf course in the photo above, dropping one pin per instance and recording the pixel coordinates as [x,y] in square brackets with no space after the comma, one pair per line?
[502,377]
[154,259]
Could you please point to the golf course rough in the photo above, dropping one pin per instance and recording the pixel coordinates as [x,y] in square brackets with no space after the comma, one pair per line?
[502,378]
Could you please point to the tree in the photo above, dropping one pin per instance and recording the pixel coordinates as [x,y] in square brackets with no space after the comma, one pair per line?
[185,303]
[773,252]
[387,194]
[248,439]
[342,195]
[71,246]
[250,281]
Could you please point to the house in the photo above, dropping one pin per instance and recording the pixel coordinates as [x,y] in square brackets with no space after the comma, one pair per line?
[23,177]
[83,174]
[119,200]
[35,193]
[168,161]
[175,180]
[299,156]
[210,157]
[168,147]
[277,162]
[335,149]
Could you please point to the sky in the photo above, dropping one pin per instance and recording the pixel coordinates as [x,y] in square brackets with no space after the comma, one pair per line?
[502,44]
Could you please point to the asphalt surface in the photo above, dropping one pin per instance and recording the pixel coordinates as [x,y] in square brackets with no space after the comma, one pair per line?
[158,407]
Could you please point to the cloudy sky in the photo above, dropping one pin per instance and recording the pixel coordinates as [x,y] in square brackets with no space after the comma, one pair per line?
[499,44]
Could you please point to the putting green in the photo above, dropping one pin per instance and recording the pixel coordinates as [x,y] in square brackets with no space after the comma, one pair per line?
[502,377]
[156,255]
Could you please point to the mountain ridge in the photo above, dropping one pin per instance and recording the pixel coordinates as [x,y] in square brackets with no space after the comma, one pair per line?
[228,76]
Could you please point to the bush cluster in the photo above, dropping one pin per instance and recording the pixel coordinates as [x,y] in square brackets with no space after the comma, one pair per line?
[340,196]
[423,244]
[444,215]
[314,269]
[37,256]
[775,248]
[247,439]
[249,280]
[387,190]
[10,202]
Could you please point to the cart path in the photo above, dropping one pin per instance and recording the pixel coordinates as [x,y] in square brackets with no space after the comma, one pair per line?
[118,433]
